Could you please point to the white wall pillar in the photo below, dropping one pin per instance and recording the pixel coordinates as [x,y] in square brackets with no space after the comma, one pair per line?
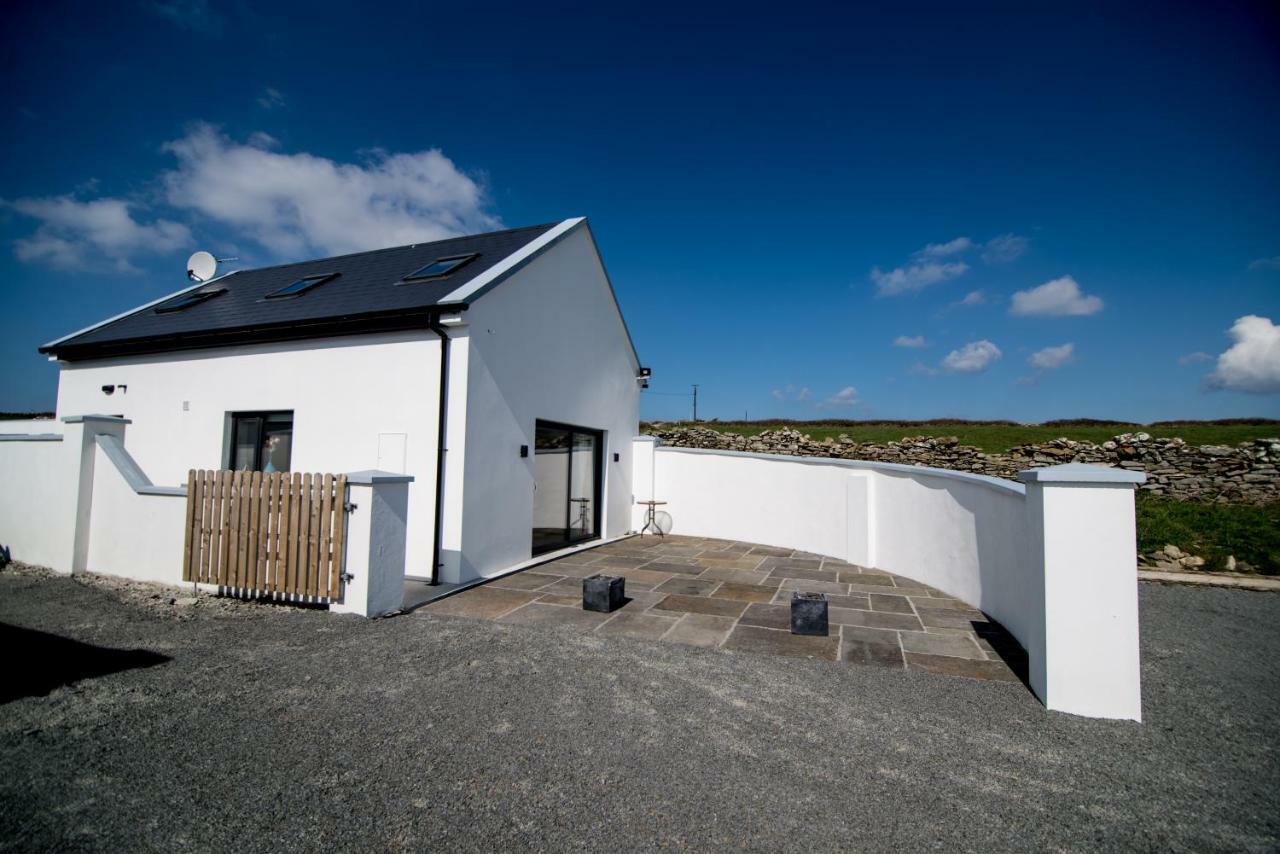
[643,474]
[451,517]
[1083,550]
[70,524]
[376,533]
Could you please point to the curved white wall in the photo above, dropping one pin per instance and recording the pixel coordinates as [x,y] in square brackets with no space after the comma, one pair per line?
[1054,561]
[960,533]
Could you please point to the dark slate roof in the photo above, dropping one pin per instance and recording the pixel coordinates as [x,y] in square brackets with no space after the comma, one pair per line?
[364,297]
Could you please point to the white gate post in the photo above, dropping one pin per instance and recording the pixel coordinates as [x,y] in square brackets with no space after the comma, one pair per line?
[376,533]
[70,524]
[1084,659]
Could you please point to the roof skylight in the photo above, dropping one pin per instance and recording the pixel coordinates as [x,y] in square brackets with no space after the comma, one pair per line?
[440,267]
[190,298]
[301,286]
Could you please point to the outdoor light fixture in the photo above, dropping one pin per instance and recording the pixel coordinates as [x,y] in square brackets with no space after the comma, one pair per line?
[108,389]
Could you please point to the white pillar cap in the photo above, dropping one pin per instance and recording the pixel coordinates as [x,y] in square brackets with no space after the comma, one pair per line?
[1081,473]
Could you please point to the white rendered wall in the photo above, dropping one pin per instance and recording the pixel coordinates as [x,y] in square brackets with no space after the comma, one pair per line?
[138,536]
[37,480]
[1054,562]
[960,533]
[642,464]
[344,393]
[546,344]
[28,426]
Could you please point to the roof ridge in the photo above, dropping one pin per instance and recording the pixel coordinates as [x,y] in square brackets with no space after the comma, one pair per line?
[396,248]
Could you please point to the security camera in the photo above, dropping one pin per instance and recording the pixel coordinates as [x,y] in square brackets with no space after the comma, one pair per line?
[108,389]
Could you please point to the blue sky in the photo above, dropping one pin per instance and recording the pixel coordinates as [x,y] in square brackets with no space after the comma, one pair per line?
[1064,211]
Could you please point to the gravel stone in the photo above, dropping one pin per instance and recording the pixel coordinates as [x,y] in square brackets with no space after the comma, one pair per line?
[266,728]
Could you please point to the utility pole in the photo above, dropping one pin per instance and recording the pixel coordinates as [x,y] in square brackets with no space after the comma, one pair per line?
[695,402]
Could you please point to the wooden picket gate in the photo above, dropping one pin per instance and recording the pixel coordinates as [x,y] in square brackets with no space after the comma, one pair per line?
[275,533]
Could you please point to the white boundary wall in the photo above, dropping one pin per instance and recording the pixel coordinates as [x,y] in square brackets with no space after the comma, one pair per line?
[79,502]
[1054,561]
[37,477]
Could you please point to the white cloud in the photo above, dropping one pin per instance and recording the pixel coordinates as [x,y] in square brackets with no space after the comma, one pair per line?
[968,301]
[847,396]
[1252,364]
[1052,357]
[1058,298]
[1193,358]
[1004,248]
[971,358]
[915,277]
[790,392]
[941,250]
[80,235]
[1272,263]
[271,99]
[300,204]
[910,341]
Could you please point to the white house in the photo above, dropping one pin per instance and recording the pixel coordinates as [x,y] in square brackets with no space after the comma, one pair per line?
[494,369]
[481,396]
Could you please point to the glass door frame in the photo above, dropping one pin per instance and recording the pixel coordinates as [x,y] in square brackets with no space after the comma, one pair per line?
[597,461]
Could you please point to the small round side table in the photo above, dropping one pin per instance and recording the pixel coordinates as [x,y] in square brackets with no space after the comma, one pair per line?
[650,517]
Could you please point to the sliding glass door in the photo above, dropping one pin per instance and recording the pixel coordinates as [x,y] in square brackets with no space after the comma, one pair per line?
[566,485]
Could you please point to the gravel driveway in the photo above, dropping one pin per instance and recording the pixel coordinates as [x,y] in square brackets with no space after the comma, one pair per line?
[257,728]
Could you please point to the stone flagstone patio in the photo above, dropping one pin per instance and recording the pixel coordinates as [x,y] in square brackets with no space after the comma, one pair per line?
[736,596]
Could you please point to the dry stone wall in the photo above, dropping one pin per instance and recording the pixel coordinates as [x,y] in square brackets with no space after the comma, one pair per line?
[1246,473]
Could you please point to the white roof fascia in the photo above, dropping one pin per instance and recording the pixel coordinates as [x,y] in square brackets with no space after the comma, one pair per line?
[122,314]
[513,262]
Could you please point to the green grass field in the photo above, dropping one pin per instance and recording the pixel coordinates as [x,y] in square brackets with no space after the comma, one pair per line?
[1000,437]
[1212,531]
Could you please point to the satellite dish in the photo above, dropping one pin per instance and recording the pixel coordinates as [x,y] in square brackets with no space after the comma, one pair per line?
[201,267]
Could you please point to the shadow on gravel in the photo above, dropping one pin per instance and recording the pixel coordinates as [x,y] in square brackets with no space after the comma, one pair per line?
[46,661]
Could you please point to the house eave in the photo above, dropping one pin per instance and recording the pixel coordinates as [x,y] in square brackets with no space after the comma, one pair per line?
[331,327]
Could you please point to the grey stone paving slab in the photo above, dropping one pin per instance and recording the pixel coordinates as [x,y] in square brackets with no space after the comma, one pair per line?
[638,625]
[764,641]
[961,646]
[688,586]
[769,616]
[856,650]
[700,630]
[538,613]
[702,605]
